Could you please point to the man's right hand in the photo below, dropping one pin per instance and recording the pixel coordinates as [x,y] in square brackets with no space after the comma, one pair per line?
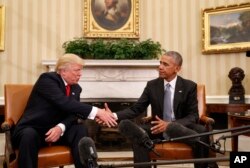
[106,117]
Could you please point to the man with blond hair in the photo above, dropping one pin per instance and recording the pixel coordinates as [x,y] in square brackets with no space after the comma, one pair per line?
[52,111]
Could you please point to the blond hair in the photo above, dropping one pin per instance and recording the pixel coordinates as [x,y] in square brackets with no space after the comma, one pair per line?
[66,60]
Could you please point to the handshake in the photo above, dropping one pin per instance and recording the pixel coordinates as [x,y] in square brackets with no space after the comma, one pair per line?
[106,117]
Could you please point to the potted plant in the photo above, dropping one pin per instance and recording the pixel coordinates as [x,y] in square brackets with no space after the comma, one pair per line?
[113,49]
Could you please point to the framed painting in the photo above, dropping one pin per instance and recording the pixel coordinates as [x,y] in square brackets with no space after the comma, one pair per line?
[226,29]
[111,18]
[2,25]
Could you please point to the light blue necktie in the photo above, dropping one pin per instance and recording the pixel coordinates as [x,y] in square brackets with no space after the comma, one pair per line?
[167,108]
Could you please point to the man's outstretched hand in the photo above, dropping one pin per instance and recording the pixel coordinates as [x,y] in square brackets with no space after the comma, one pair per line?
[106,117]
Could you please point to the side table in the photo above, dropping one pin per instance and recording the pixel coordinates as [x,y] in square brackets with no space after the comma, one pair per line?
[238,119]
[224,108]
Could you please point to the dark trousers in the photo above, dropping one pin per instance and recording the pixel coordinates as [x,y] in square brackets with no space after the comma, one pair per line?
[28,141]
[141,154]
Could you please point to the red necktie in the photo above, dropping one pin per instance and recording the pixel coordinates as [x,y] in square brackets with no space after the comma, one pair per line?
[67,90]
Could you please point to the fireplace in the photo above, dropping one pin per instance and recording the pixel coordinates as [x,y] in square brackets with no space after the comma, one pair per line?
[117,82]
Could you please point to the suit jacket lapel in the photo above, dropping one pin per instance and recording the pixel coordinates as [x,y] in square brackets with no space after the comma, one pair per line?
[178,95]
[75,92]
[160,93]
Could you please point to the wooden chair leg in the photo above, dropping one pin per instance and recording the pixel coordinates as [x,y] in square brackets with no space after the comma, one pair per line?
[4,164]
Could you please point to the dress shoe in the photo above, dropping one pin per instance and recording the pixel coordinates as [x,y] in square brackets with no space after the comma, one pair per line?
[212,165]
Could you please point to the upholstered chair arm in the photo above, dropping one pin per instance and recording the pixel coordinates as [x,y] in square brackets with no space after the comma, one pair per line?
[9,151]
[207,122]
[6,125]
[145,120]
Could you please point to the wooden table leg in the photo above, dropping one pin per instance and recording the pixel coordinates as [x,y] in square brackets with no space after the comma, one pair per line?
[234,143]
[234,139]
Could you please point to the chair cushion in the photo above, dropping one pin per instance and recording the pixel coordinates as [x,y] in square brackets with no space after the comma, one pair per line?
[51,156]
[172,150]
[54,156]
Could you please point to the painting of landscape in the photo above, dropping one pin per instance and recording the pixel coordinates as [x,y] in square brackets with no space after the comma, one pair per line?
[230,28]
[226,29]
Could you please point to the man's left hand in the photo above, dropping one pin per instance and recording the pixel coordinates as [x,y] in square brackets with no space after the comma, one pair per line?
[158,126]
[53,134]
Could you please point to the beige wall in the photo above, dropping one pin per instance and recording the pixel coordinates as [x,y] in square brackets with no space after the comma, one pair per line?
[36,29]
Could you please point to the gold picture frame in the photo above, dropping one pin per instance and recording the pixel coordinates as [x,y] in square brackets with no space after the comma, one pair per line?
[2,25]
[226,29]
[121,22]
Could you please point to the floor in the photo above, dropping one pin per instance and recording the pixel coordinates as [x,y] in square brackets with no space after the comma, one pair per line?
[244,145]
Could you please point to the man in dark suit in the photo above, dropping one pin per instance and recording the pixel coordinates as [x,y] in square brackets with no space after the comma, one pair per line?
[183,114]
[52,112]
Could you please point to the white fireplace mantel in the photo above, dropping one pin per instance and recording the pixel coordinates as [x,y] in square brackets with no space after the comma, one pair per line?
[110,63]
[113,79]
[121,79]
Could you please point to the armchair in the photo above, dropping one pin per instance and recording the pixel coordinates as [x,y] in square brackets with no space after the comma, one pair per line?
[16,97]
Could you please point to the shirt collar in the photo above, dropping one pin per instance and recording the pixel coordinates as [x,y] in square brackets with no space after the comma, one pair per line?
[172,82]
[65,83]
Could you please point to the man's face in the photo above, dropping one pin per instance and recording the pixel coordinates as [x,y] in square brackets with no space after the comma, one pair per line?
[72,73]
[168,68]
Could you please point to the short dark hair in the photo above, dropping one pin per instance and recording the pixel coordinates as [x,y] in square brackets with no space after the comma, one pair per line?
[177,56]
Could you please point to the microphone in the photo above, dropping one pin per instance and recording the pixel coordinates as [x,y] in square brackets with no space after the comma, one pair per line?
[136,134]
[87,151]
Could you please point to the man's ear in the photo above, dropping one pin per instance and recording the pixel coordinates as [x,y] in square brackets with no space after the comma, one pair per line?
[178,68]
